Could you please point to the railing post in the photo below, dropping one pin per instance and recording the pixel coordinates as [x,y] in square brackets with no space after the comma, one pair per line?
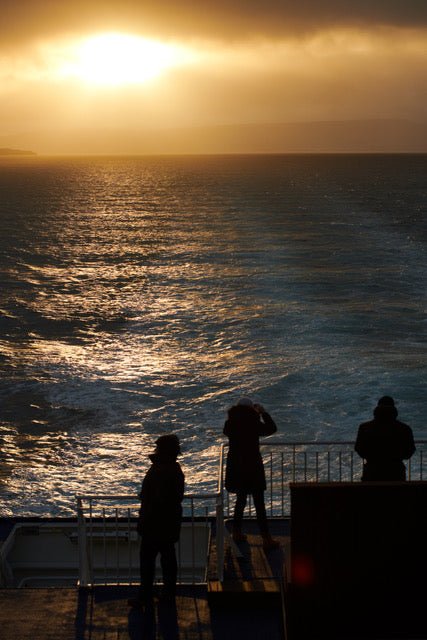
[271,483]
[282,483]
[219,515]
[293,463]
[193,543]
[220,537]
[84,572]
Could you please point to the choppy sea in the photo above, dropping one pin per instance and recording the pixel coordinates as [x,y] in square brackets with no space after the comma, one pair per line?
[141,296]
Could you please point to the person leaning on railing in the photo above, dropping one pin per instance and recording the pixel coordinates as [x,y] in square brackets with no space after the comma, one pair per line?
[244,472]
[384,443]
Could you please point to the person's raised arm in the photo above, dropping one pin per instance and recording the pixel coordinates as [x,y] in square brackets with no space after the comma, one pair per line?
[267,424]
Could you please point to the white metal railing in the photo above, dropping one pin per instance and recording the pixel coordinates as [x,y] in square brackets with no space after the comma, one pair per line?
[110,520]
[321,461]
[109,545]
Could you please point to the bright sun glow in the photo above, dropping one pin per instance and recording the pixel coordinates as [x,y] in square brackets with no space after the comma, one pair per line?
[114,59]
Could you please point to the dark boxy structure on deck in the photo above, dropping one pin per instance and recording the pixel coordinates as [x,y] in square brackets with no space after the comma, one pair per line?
[358,560]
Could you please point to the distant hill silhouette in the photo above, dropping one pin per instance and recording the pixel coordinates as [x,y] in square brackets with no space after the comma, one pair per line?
[354,136]
[15,152]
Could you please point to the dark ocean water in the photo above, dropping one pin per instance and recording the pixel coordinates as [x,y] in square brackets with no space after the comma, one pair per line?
[146,295]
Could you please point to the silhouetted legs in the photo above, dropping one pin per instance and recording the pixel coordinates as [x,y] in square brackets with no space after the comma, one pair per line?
[169,568]
[258,498]
[148,554]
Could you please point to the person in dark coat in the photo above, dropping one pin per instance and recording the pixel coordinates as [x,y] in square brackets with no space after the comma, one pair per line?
[384,443]
[160,517]
[245,470]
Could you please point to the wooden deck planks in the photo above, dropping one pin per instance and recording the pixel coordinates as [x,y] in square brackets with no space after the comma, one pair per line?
[100,614]
[103,614]
[255,571]
[245,586]
[38,614]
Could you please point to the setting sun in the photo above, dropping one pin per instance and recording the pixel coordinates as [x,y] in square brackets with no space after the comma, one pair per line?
[116,59]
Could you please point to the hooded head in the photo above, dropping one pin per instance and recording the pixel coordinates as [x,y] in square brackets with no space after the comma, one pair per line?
[385,409]
[245,402]
[167,448]
[243,410]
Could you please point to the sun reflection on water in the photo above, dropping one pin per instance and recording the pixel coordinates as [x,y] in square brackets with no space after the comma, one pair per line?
[143,296]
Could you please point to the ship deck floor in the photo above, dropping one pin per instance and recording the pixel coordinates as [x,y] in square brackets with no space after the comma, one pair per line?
[247,567]
[245,606]
[102,613]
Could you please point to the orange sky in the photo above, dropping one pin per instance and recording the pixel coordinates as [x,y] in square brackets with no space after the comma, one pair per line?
[76,75]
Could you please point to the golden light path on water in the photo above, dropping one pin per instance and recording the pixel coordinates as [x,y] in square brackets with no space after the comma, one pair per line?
[98,466]
[118,364]
[144,296]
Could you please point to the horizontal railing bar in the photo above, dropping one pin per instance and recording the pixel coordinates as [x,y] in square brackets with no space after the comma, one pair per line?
[267,442]
[135,497]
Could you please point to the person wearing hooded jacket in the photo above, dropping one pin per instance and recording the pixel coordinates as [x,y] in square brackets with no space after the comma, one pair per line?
[160,517]
[384,443]
[245,474]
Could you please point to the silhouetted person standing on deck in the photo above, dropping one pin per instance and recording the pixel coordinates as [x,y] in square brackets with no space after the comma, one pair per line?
[160,516]
[384,443]
[245,470]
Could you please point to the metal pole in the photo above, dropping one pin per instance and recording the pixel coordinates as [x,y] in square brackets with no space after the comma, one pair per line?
[220,537]
[82,544]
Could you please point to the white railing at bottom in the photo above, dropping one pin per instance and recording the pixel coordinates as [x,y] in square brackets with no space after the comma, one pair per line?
[109,543]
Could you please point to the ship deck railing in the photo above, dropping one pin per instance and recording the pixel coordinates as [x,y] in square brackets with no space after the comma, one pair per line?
[287,462]
[109,544]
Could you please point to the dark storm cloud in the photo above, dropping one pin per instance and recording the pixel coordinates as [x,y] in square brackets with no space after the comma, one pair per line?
[24,20]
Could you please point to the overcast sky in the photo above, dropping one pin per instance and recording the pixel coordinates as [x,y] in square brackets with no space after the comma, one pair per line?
[242,61]
[218,19]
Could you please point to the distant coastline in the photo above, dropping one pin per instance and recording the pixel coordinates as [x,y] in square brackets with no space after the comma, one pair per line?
[310,137]
[16,152]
